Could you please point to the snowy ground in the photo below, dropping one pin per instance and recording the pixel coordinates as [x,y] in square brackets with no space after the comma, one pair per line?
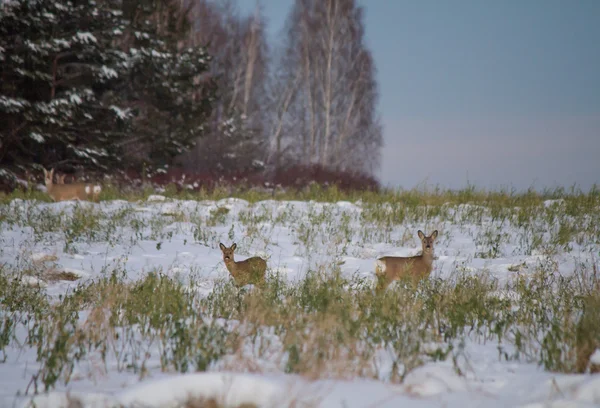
[166,236]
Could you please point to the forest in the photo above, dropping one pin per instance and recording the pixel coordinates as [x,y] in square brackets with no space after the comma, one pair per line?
[193,88]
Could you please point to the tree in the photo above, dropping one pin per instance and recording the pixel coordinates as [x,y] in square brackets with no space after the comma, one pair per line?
[165,86]
[235,138]
[329,93]
[76,91]
[56,63]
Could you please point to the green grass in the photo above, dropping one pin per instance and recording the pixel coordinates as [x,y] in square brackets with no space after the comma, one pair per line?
[323,326]
[576,200]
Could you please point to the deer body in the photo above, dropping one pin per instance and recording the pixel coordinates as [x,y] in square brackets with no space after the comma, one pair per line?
[74,191]
[248,271]
[391,268]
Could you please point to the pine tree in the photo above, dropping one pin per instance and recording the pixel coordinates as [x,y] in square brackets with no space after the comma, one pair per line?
[165,87]
[72,94]
[57,61]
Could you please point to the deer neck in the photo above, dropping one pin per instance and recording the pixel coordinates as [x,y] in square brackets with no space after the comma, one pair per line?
[231,266]
[427,257]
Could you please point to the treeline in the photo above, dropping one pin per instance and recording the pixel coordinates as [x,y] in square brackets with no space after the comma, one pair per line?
[109,85]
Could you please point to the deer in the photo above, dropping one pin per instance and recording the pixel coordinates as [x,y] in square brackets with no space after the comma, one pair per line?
[74,191]
[251,270]
[60,178]
[391,268]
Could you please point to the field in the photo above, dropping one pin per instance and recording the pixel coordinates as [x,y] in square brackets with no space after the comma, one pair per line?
[127,302]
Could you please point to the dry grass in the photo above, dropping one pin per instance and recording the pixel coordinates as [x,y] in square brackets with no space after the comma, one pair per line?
[588,335]
[198,402]
[58,275]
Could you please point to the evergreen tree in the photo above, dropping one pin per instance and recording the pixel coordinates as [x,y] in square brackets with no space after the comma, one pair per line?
[165,88]
[74,93]
[57,61]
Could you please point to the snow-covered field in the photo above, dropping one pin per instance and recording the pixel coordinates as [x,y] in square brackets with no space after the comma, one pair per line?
[85,241]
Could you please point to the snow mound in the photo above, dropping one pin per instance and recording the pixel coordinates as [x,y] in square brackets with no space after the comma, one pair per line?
[230,390]
[40,257]
[29,280]
[72,399]
[156,198]
[427,381]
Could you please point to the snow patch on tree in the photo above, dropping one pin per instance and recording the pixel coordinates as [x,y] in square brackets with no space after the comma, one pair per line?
[122,114]
[75,99]
[12,105]
[86,37]
[106,72]
[37,137]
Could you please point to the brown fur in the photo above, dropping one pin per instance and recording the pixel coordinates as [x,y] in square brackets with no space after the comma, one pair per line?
[74,191]
[251,270]
[391,268]
[588,335]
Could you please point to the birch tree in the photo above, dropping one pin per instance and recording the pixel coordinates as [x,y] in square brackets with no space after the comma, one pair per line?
[236,138]
[335,105]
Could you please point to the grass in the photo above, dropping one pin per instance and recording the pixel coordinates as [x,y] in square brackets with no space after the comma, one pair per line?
[324,326]
[327,325]
[575,200]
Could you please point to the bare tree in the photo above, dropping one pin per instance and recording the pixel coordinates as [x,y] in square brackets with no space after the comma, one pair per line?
[236,139]
[329,68]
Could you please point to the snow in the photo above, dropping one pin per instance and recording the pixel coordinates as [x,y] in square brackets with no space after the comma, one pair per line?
[43,257]
[85,37]
[37,137]
[12,105]
[157,54]
[486,380]
[88,153]
[427,388]
[75,99]
[108,72]
[62,43]
[121,113]
[156,198]
[141,35]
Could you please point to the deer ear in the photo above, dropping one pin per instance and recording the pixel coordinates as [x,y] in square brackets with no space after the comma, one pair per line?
[234,246]
[421,235]
[434,234]
[222,246]
[45,171]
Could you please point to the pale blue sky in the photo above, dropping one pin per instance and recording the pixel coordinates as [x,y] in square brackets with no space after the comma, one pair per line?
[496,93]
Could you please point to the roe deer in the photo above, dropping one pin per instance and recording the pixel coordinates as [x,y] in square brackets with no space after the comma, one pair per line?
[391,268]
[251,270]
[74,191]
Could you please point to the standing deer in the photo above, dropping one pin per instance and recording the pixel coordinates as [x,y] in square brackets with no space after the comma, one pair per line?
[251,270]
[391,268]
[74,191]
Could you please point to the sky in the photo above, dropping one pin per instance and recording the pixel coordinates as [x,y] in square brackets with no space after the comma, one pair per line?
[495,94]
